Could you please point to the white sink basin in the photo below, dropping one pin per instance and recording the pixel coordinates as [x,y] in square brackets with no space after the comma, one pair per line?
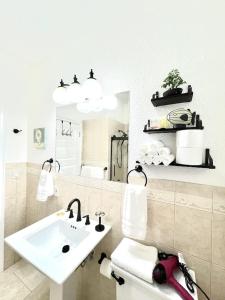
[50,240]
[42,242]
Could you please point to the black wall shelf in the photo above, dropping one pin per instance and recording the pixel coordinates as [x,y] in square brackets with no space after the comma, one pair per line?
[174,164]
[207,165]
[203,166]
[169,130]
[160,101]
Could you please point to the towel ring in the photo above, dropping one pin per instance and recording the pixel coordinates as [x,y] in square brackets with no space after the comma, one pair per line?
[138,168]
[59,167]
[50,161]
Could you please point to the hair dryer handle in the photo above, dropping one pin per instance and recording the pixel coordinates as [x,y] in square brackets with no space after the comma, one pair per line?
[180,289]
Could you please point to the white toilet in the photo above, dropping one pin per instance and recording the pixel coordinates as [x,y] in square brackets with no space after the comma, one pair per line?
[135,288]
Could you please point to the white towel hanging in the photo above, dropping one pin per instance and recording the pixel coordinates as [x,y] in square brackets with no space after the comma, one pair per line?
[134,220]
[45,186]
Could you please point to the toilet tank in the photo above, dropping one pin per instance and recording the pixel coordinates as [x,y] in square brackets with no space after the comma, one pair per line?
[138,289]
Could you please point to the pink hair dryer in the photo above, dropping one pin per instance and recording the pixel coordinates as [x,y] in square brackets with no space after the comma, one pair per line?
[163,273]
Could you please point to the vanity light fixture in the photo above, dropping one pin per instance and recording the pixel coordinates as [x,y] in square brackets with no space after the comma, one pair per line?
[88,96]
[60,95]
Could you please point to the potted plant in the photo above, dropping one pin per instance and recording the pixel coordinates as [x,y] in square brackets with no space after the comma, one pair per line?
[173,81]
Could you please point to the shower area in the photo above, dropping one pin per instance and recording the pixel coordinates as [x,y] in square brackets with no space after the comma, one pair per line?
[119,156]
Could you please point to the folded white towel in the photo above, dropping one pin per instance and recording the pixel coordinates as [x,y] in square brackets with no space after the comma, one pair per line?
[134,219]
[147,149]
[135,258]
[164,151]
[149,159]
[157,159]
[45,186]
[168,159]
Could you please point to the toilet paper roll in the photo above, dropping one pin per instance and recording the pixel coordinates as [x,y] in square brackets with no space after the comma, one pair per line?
[105,268]
[190,138]
[189,156]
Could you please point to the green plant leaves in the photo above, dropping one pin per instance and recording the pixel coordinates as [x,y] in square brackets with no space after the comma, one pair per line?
[173,80]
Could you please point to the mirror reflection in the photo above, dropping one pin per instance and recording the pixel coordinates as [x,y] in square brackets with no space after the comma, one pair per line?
[94,144]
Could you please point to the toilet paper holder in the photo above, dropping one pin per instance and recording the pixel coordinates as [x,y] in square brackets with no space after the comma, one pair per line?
[119,279]
[103,255]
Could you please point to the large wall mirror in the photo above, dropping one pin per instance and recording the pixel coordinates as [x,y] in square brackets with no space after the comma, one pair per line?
[94,144]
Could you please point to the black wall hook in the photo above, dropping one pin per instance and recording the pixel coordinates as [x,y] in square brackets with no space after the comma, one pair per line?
[15,130]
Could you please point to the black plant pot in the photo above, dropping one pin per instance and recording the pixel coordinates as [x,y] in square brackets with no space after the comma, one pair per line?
[172,92]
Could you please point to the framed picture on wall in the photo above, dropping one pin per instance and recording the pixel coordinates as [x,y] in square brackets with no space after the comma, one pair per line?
[39,138]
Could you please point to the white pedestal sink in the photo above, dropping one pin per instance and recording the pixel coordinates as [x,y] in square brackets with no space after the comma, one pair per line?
[56,246]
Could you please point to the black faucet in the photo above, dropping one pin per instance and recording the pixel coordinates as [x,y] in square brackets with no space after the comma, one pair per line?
[78,210]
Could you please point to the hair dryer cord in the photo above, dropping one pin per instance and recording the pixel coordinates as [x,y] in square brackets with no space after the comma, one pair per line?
[189,281]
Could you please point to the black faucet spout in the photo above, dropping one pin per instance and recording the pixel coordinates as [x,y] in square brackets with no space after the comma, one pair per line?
[78,208]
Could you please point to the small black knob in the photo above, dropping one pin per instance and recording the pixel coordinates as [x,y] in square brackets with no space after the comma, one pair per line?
[87,222]
[71,214]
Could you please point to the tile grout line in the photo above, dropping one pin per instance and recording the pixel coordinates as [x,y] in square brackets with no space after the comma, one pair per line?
[14,272]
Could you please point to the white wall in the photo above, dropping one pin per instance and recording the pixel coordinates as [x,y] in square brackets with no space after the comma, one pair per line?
[42,113]
[13,114]
[131,45]
[14,107]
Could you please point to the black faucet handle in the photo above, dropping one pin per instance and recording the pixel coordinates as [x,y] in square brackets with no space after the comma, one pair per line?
[87,222]
[100,213]
[71,214]
[100,227]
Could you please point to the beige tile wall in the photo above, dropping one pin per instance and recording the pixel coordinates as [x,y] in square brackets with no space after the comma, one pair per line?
[181,217]
[15,204]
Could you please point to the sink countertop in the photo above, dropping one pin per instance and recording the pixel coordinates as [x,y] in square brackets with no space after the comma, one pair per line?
[60,268]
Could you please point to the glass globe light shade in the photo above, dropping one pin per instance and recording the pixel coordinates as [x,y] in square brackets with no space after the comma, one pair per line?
[92,88]
[96,105]
[75,91]
[110,102]
[84,107]
[60,94]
